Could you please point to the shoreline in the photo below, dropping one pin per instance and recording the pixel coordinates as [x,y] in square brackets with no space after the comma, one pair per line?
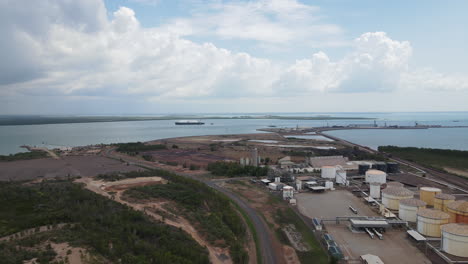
[21,121]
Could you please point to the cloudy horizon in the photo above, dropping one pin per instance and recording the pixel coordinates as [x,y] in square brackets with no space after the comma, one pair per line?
[146,56]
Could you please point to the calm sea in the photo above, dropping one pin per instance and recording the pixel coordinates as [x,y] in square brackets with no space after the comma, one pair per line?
[12,137]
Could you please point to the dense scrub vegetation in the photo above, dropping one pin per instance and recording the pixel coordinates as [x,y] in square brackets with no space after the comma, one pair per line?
[24,156]
[213,212]
[436,158]
[107,228]
[117,176]
[135,148]
[232,169]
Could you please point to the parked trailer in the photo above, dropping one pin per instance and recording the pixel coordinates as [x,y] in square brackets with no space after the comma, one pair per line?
[379,235]
[353,210]
[370,233]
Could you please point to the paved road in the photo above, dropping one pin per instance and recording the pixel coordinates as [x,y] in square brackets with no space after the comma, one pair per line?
[266,246]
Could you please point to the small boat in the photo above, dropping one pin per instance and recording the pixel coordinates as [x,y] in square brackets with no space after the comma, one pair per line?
[271,126]
[189,122]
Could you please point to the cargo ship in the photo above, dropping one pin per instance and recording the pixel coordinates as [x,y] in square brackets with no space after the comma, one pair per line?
[189,122]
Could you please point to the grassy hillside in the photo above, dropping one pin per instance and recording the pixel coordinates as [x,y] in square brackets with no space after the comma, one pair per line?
[436,158]
[103,226]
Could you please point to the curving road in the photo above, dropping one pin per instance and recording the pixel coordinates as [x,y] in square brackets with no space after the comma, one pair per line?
[266,246]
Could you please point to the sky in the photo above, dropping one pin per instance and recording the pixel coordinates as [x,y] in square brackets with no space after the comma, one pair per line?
[116,57]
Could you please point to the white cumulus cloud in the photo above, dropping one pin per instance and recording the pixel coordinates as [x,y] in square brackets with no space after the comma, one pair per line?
[71,48]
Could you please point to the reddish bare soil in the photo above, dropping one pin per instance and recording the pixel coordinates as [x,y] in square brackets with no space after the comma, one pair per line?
[70,165]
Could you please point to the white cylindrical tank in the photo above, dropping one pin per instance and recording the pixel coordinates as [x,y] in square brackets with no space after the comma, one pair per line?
[341,177]
[376,176]
[429,221]
[328,172]
[455,239]
[391,196]
[395,184]
[374,190]
[441,200]
[329,185]
[408,209]
[427,194]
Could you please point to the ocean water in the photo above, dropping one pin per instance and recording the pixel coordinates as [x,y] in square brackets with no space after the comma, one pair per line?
[79,134]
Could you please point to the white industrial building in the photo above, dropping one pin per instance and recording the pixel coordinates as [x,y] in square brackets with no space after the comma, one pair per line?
[288,192]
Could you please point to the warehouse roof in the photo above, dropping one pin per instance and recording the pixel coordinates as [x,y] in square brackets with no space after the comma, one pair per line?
[413,202]
[444,196]
[416,235]
[397,191]
[433,214]
[456,229]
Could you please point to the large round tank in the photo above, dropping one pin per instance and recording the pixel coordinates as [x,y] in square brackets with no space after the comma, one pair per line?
[328,172]
[458,211]
[427,194]
[392,167]
[381,166]
[374,190]
[395,184]
[441,200]
[408,209]
[391,196]
[363,168]
[376,176]
[430,221]
[455,239]
[340,177]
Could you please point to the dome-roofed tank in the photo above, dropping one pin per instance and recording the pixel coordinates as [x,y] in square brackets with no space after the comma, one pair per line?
[376,176]
[458,211]
[455,239]
[395,184]
[392,167]
[363,168]
[391,196]
[408,209]
[427,194]
[430,221]
[441,200]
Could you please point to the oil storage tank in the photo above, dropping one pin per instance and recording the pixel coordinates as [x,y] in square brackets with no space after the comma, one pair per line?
[381,166]
[429,221]
[376,176]
[340,177]
[362,168]
[409,208]
[441,200]
[328,172]
[393,167]
[427,194]
[455,239]
[395,184]
[391,196]
[458,211]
